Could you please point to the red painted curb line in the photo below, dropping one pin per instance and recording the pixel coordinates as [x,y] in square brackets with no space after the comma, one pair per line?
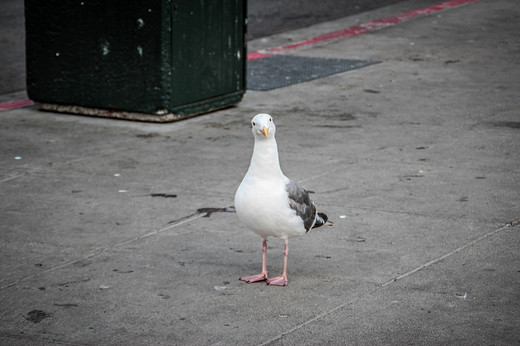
[15,104]
[362,28]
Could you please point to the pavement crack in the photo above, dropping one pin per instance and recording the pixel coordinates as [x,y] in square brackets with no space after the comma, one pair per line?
[503,227]
[457,250]
[171,225]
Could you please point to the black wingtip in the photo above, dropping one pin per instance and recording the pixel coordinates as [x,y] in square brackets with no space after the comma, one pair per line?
[321,219]
[324,217]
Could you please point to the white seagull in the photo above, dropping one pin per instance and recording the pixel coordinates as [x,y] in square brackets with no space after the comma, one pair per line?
[270,203]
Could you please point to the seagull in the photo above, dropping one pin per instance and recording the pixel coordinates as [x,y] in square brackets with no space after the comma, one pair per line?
[270,203]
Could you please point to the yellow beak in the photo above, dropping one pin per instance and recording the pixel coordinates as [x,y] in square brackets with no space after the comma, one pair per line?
[265,131]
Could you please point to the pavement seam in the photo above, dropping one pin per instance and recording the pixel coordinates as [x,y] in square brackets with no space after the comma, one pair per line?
[453,252]
[13,177]
[505,226]
[97,252]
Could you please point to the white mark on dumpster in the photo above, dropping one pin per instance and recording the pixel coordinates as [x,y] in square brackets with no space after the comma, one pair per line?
[18,158]
[140,50]
[57,53]
[140,23]
[238,54]
[105,47]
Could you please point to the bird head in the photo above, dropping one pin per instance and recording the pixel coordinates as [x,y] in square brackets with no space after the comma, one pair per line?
[263,126]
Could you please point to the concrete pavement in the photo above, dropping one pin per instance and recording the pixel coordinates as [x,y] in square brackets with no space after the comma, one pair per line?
[415,159]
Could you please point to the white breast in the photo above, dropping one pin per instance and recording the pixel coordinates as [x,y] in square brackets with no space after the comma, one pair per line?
[263,205]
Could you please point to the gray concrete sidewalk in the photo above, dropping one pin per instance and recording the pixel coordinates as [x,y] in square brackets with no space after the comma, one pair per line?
[415,159]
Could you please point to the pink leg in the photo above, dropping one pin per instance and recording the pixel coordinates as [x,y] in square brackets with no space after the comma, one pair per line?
[263,275]
[282,279]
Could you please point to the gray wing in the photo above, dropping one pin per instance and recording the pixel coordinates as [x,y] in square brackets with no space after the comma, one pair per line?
[300,201]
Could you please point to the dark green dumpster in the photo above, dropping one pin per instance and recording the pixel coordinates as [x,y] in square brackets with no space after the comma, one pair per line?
[154,60]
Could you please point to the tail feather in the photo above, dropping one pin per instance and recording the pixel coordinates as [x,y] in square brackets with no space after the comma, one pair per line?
[322,219]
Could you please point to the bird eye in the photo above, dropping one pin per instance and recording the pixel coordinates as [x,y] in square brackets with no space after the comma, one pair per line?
[270,119]
[254,123]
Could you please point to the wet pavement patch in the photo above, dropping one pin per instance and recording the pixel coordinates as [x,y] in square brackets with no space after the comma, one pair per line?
[277,71]
[340,127]
[123,272]
[209,211]
[37,316]
[68,283]
[509,124]
[163,195]
[67,305]
[147,135]
[411,176]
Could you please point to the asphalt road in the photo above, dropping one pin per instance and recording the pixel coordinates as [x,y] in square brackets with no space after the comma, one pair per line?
[267,17]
